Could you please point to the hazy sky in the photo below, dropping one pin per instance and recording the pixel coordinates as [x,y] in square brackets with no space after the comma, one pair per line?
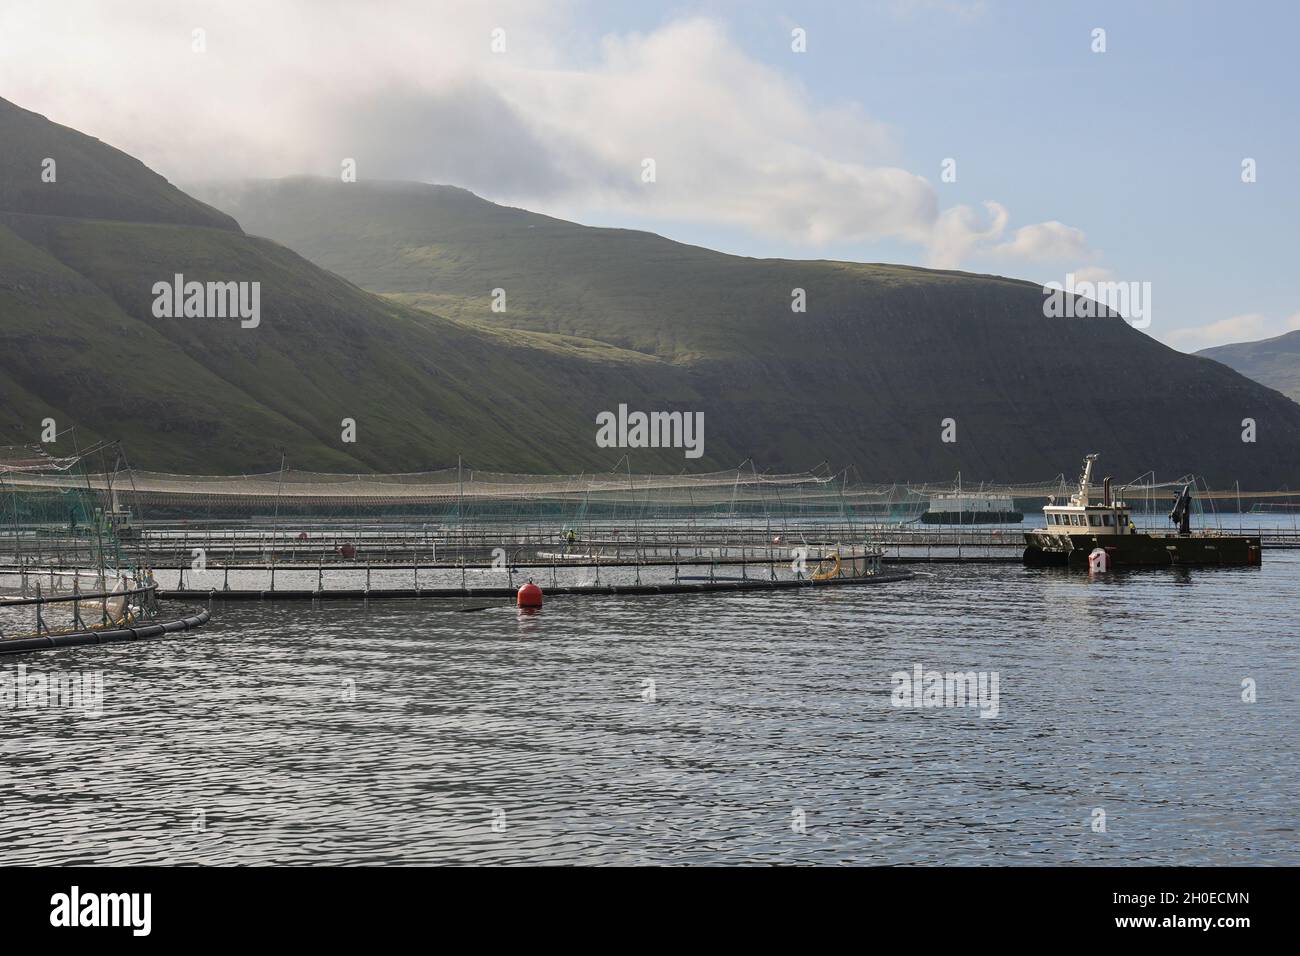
[1124,164]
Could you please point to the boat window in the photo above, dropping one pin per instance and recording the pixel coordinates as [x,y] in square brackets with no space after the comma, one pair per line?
[1105,519]
[1051,519]
[1092,520]
[1076,519]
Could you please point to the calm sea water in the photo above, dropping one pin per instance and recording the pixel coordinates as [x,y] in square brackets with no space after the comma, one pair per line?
[404,732]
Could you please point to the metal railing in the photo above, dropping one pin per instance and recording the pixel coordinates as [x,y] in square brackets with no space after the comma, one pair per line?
[46,614]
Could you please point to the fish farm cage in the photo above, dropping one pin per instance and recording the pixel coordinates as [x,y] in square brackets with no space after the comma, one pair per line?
[68,513]
[89,545]
[62,568]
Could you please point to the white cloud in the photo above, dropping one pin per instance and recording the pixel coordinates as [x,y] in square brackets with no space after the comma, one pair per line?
[960,234]
[733,141]
[416,93]
[1045,241]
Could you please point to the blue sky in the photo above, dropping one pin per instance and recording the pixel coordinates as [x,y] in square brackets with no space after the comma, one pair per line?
[1123,165]
[1140,147]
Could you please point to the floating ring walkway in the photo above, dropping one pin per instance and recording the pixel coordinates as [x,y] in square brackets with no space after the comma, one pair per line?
[702,587]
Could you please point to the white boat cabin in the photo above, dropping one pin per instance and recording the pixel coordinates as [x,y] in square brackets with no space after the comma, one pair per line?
[1081,516]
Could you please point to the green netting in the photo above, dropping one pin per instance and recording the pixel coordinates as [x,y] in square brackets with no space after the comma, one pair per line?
[46,493]
[52,517]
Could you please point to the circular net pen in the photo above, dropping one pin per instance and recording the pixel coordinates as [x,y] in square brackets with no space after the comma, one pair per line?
[62,568]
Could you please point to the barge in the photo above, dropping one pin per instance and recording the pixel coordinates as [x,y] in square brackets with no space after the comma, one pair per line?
[971,509]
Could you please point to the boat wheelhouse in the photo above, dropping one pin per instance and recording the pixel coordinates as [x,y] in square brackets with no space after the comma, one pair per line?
[1080,516]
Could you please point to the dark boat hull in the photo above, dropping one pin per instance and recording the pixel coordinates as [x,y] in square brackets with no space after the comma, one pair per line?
[1045,549]
[972,517]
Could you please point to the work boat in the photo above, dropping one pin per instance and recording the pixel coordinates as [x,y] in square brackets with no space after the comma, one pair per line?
[1082,534]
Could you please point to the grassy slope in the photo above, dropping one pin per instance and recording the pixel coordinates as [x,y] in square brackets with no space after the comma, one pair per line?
[1275,362]
[68,351]
[421,388]
[80,343]
[92,180]
[882,355]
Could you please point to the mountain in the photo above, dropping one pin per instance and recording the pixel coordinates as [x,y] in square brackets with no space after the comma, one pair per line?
[593,319]
[80,343]
[867,375]
[1273,362]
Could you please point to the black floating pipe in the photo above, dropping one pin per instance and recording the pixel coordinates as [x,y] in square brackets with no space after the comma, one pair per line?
[19,645]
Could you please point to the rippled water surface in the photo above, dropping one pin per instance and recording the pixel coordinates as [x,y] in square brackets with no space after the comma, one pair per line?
[404,732]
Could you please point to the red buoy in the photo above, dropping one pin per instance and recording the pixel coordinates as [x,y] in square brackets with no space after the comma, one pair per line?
[530,595]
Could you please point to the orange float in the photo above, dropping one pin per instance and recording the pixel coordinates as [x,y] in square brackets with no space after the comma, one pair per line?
[530,595]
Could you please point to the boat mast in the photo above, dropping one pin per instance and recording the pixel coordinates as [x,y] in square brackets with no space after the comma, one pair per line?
[1085,482]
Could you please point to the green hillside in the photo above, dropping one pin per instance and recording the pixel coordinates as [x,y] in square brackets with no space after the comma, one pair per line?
[1273,362]
[81,345]
[91,180]
[595,318]
[883,354]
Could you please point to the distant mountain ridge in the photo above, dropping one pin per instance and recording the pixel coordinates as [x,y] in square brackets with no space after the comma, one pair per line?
[1274,362]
